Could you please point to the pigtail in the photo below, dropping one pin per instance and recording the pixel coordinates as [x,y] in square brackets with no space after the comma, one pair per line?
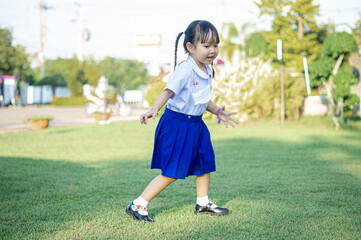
[213,72]
[176,49]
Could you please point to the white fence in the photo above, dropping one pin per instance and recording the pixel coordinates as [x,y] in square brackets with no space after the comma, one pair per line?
[41,94]
[136,98]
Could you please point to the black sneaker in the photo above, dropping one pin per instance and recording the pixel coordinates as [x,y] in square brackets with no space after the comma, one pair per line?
[210,208]
[132,210]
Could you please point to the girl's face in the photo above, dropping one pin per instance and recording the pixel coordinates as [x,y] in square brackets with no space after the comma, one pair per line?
[203,53]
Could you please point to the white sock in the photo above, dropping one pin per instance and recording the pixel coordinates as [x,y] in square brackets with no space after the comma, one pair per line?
[142,202]
[202,201]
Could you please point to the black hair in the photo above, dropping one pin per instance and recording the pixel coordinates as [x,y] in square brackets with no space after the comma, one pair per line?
[198,30]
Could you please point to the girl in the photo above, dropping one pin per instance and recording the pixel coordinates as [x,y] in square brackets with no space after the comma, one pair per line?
[182,145]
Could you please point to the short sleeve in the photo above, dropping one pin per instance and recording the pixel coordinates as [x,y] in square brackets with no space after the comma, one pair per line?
[179,78]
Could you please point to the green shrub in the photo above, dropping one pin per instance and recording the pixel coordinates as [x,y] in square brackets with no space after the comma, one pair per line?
[153,91]
[53,80]
[254,92]
[267,98]
[338,43]
[69,101]
[320,70]
[255,44]
[343,81]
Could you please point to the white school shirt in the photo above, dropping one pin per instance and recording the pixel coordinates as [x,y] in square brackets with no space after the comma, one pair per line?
[181,82]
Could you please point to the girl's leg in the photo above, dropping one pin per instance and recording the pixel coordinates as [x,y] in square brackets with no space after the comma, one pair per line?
[202,183]
[204,206]
[138,208]
[156,186]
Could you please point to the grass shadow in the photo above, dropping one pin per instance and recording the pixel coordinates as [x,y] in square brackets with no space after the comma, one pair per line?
[352,123]
[284,186]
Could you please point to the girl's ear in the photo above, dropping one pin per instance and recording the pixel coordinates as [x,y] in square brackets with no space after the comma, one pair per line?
[190,47]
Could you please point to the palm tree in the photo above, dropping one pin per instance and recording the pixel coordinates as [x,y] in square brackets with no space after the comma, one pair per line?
[228,46]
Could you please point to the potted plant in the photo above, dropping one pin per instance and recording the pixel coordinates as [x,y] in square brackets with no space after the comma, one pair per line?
[39,122]
[101,116]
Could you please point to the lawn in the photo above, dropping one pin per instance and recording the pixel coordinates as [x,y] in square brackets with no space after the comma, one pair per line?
[300,181]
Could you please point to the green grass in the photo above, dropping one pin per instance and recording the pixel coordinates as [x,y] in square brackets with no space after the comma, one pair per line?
[301,181]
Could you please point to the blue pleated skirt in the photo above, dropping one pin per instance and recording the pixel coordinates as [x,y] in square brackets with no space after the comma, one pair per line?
[182,146]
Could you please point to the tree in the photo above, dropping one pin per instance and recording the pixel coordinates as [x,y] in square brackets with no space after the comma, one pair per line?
[92,71]
[324,30]
[135,74]
[121,73]
[22,64]
[356,31]
[338,44]
[293,23]
[303,13]
[55,80]
[13,59]
[232,39]
[255,45]
[320,70]
[326,69]
[228,47]
[7,52]
[341,91]
[112,70]
[124,74]
[69,69]
[272,7]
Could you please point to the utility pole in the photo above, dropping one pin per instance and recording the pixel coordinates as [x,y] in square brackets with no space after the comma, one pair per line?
[41,55]
[80,52]
[222,11]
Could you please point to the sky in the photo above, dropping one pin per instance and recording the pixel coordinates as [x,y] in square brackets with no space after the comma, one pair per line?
[113,24]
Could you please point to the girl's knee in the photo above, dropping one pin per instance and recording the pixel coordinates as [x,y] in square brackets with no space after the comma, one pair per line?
[204,175]
[170,178]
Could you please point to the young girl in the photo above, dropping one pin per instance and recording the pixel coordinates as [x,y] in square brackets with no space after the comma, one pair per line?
[182,145]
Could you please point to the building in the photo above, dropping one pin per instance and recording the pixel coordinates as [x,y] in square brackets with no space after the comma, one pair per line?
[148,51]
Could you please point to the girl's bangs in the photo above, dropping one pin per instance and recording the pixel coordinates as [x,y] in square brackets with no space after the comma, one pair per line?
[209,34]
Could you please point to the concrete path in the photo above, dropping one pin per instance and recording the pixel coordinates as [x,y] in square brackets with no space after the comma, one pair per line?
[13,120]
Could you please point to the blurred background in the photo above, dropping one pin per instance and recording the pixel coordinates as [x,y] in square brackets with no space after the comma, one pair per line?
[117,55]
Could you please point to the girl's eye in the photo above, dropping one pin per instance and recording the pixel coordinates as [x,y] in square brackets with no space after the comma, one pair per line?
[208,46]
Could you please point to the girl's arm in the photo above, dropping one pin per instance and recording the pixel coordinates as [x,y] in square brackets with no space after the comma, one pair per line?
[158,104]
[221,114]
[212,107]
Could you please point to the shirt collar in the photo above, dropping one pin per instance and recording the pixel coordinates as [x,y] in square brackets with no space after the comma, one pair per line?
[199,72]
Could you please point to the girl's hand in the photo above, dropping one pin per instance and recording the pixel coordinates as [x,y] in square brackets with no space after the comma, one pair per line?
[226,117]
[152,113]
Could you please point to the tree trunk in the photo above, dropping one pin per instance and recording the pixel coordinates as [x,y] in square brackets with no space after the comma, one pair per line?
[341,109]
[300,27]
[329,85]
[331,102]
